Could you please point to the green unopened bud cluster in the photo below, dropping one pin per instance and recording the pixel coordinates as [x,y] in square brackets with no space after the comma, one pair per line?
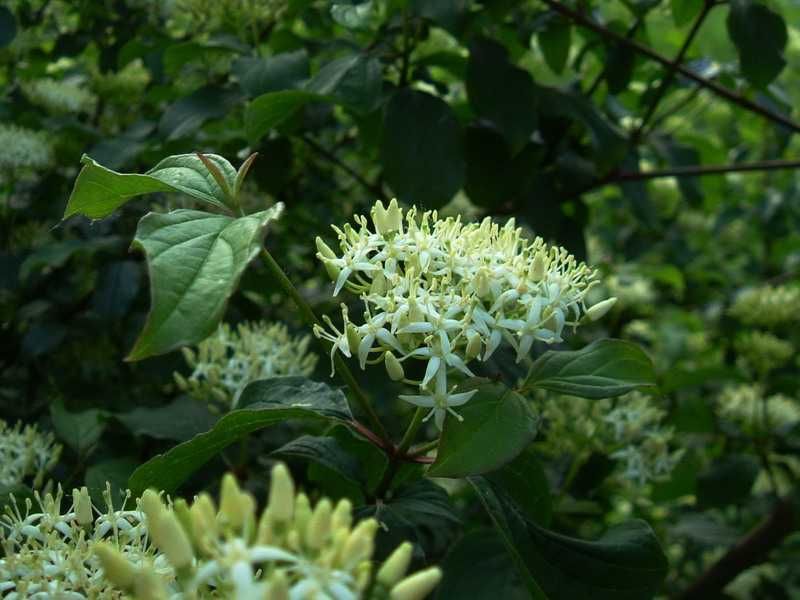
[49,550]
[24,149]
[225,363]
[26,454]
[628,429]
[291,550]
[446,292]
[748,406]
[768,306]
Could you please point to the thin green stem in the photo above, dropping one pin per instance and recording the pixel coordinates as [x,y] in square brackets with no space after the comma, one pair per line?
[424,449]
[396,459]
[312,320]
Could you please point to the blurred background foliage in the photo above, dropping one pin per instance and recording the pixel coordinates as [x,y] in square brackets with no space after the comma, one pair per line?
[653,138]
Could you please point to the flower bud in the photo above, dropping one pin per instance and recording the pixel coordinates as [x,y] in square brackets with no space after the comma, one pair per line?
[481,283]
[118,570]
[278,587]
[599,310]
[394,367]
[396,566]
[150,504]
[378,214]
[172,540]
[474,345]
[82,505]
[360,544]
[148,586]
[281,494]
[342,515]
[536,272]
[324,249]
[353,338]
[319,526]
[394,217]
[416,586]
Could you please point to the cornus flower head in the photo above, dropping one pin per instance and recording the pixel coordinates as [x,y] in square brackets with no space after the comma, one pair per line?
[26,453]
[50,553]
[768,306]
[629,430]
[291,551]
[24,149]
[446,293]
[748,406]
[230,359]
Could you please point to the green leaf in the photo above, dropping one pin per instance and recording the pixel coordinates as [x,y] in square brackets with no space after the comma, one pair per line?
[186,115]
[53,255]
[684,11]
[760,36]
[728,480]
[8,27]
[20,493]
[114,473]
[282,71]
[80,430]
[353,16]
[327,452]
[195,260]
[498,423]
[179,420]
[99,191]
[353,80]
[603,369]
[626,563]
[267,402]
[618,67]
[501,92]
[270,110]
[555,42]
[478,567]
[421,149]
[117,286]
[525,482]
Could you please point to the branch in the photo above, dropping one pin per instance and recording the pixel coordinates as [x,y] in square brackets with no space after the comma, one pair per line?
[763,165]
[373,189]
[735,97]
[751,550]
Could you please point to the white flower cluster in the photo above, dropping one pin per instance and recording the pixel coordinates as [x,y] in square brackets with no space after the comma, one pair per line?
[747,405]
[290,552]
[768,306]
[447,292]
[48,553]
[627,429]
[22,148]
[229,360]
[26,452]
[60,95]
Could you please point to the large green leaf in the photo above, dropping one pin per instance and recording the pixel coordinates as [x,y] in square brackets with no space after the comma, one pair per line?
[80,430]
[626,563]
[195,260]
[555,42]
[603,369]
[497,424]
[327,452]
[186,115]
[760,36]
[727,480]
[421,149]
[179,420]
[270,110]
[353,80]
[260,76]
[99,191]
[525,482]
[478,567]
[267,402]
[501,92]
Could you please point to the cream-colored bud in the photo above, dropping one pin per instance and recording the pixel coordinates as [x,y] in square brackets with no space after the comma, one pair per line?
[319,526]
[150,504]
[360,544]
[396,566]
[278,587]
[324,249]
[172,540]
[236,507]
[353,338]
[302,513]
[378,284]
[474,345]
[82,505]
[599,310]
[281,494]
[378,214]
[481,283]
[417,586]
[332,270]
[180,380]
[415,313]
[352,234]
[148,586]
[342,515]
[394,367]
[394,217]
[118,570]
[536,272]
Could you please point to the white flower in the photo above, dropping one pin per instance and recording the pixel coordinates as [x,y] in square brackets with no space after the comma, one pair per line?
[26,452]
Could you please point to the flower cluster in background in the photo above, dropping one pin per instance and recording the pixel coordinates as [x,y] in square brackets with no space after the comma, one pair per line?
[26,453]
[226,362]
[51,553]
[59,95]
[747,405]
[22,148]
[768,306]
[291,551]
[447,292]
[628,429]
